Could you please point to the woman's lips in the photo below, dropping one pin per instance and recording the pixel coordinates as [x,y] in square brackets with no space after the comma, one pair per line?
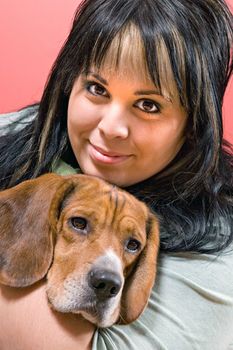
[106,157]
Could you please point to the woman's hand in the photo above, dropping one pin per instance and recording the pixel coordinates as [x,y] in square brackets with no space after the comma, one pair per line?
[27,322]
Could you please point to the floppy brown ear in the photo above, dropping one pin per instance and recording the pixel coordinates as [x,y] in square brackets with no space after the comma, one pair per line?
[138,285]
[26,239]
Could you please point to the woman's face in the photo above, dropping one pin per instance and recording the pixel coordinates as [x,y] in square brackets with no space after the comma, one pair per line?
[120,128]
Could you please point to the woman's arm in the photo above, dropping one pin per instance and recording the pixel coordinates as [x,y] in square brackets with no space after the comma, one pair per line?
[27,322]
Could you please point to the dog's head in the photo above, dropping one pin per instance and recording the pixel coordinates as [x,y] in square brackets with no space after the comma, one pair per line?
[97,244]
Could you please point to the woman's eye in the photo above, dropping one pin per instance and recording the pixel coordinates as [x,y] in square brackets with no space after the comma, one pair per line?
[96,89]
[147,106]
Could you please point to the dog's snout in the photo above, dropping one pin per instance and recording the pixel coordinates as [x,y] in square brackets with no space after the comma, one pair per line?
[106,284]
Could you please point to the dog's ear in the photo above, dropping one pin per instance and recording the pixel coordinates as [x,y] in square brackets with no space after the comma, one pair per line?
[26,238]
[139,284]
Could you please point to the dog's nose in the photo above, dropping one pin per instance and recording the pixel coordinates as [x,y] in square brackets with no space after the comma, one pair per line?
[106,284]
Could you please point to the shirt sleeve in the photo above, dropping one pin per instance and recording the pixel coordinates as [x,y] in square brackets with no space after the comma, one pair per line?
[190,308]
[15,121]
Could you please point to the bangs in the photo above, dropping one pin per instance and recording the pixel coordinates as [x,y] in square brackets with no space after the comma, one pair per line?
[127,53]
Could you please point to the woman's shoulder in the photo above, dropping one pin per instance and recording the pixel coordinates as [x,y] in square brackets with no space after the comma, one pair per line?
[211,270]
[16,120]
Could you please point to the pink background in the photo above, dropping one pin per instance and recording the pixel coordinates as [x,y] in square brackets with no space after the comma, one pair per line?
[32,33]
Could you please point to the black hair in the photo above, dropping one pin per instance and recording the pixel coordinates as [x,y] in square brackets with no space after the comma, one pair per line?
[193,194]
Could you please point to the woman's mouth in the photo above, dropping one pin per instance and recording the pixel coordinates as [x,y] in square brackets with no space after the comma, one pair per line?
[105,156]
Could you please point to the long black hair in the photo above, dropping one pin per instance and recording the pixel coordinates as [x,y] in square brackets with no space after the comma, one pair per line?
[184,46]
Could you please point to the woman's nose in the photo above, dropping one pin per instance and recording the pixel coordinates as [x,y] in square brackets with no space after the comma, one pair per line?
[113,122]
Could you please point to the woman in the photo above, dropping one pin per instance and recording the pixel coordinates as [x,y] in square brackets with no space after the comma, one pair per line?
[135,97]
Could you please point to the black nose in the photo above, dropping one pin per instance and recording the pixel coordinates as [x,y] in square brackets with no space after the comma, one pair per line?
[106,284]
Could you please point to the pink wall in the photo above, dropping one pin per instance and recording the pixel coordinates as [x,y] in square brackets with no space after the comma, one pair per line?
[31,34]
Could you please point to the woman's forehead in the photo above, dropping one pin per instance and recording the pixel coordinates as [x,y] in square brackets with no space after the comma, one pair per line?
[105,73]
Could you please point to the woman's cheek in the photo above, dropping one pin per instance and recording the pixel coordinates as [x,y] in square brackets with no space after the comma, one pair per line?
[82,113]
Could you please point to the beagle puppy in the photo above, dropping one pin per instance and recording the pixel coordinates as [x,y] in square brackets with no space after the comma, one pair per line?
[96,244]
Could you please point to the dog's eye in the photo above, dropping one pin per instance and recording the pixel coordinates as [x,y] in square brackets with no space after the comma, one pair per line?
[79,223]
[133,245]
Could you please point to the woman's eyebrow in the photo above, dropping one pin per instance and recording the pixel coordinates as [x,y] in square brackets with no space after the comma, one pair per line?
[140,92]
[98,77]
[148,92]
